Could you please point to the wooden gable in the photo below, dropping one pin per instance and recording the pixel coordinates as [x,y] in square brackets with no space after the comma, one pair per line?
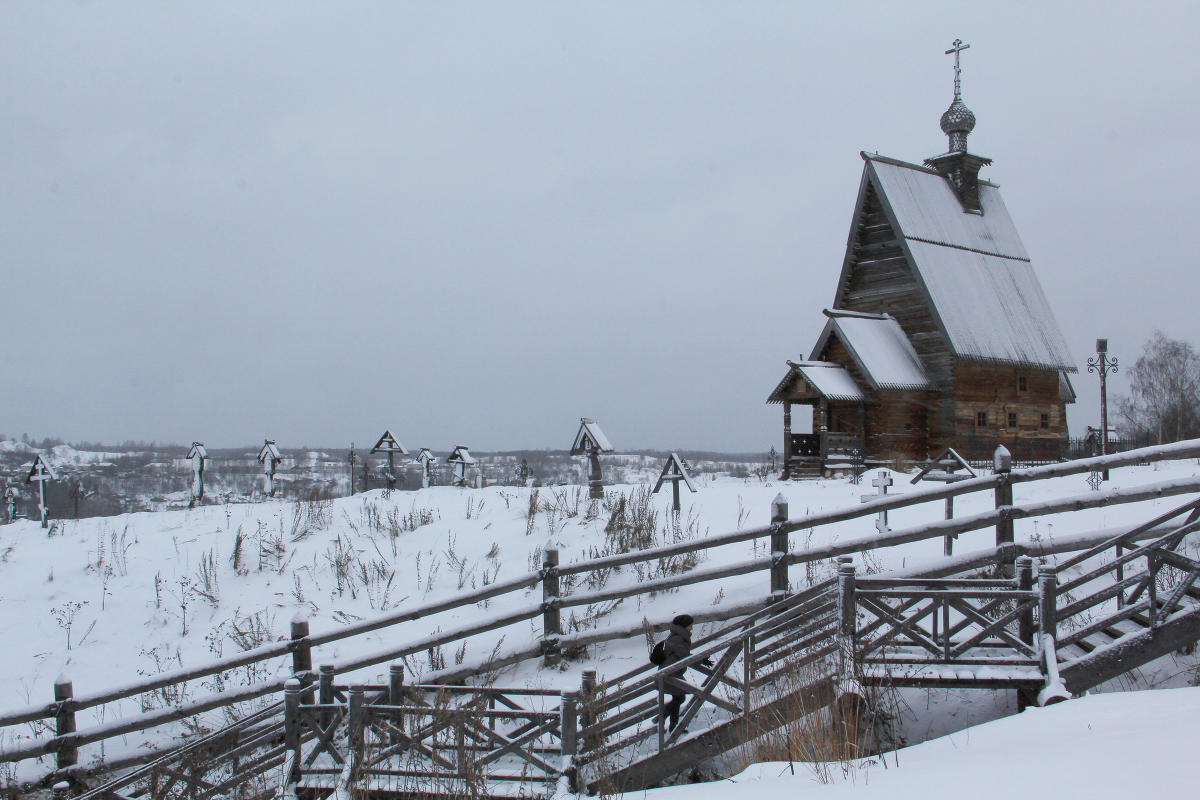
[878,278]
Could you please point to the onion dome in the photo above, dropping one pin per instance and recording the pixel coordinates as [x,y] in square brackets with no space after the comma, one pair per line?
[957,122]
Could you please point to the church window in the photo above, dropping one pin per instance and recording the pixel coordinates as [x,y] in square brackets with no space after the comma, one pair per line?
[980,419]
[1045,420]
[1022,383]
[1012,419]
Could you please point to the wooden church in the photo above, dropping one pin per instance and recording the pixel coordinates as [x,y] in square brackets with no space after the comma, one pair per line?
[939,335]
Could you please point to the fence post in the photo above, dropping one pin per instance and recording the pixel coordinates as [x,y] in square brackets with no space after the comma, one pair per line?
[355,722]
[747,674]
[551,624]
[395,683]
[396,697]
[302,655]
[1152,567]
[1024,580]
[846,616]
[64,721]
[779,547]
[292,691]
[325,694]
[1002,464]
[588,716]
[1048,600]
[568,728]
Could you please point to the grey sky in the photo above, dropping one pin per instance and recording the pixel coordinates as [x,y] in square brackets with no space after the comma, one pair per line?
[474,223]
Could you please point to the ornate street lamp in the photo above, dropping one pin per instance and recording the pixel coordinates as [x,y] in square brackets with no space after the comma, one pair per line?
[1103,365]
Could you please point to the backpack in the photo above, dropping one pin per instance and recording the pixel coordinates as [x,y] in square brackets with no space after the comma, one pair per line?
[658,654]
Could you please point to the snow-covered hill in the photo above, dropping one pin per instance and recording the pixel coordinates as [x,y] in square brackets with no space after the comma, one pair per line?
[104,600]
[1117,745]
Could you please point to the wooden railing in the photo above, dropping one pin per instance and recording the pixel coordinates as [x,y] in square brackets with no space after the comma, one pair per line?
[67,740]
[806,647]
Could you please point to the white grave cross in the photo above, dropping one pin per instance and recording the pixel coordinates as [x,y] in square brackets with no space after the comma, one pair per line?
[881,482]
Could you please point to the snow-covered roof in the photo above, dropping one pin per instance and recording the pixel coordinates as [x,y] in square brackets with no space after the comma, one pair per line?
[879,348]
[1066,392]
[590,437]
[992,308]
[927,209]
[461,455]
[269,450]
[974,267]
[41,470]
[674,470]
[829,380]
[388,443]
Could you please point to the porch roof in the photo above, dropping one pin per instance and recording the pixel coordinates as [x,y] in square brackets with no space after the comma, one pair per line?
[819,379]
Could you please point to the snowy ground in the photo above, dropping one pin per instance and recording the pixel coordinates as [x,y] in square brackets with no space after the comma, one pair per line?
[1118,745]
[143,593]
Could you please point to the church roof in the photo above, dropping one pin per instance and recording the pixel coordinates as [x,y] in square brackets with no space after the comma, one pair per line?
[879,347]
[973,267]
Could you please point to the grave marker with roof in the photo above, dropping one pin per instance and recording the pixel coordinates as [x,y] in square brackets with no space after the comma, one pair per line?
[269,457]
[940,334]
[39,473]
[945,469]
[425,459]
[590,441]
[675,470]
[10,502]
[391,445]
[461,460]
[198,455]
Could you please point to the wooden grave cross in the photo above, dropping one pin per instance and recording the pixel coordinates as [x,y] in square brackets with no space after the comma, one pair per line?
[269,457]
[675,471]
[461,459]
[353,461]
[10,501]
[590,441]
[391,445]
[39,473]
[881,482]
[198,456]
[425,459]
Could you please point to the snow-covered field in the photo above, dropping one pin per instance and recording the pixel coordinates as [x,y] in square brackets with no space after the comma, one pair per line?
[104,600]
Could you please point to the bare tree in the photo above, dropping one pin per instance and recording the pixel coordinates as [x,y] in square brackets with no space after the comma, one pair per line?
[1164,383]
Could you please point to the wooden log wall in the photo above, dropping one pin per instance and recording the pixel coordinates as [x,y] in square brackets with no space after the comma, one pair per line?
[999,390]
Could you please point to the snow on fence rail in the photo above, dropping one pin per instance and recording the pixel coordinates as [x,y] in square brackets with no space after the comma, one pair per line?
[67,739]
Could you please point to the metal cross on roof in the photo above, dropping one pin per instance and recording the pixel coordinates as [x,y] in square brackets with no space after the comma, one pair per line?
[957,49]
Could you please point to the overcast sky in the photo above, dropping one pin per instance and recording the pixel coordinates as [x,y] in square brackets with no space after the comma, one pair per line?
[475,223]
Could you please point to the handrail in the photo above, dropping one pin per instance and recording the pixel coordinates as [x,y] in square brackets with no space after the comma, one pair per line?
[963,524]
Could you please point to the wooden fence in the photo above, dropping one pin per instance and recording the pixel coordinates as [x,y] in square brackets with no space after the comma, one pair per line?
[63,710]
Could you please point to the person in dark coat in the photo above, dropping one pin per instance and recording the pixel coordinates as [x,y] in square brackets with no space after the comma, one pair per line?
[677,647]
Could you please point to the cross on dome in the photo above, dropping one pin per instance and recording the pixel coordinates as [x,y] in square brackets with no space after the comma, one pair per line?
[957,48]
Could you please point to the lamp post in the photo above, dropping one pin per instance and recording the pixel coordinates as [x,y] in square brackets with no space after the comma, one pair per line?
[1103,365]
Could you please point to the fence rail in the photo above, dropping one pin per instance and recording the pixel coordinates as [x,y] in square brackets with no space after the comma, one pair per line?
[67,739]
